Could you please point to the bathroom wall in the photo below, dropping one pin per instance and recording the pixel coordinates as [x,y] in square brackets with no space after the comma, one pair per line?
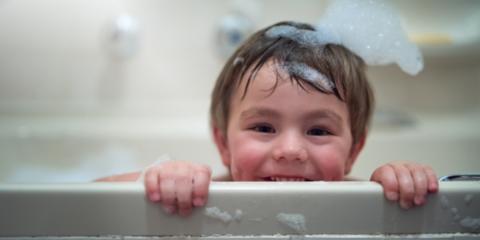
[57,64]
[55,58]
[55,55]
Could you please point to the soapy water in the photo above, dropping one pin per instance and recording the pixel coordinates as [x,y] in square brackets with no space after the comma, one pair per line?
[296,222]
[371,29]
[472,223]
[224,216]
[466,222]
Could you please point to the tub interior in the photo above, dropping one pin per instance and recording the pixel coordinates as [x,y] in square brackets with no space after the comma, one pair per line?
[72,149]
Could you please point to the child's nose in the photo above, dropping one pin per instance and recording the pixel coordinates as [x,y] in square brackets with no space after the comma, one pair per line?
[290,148]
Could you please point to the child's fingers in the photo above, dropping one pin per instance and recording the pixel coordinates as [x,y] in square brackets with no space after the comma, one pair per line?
[167,189]
[432,179]
[201,182]
[420,182]
[386,176]
[152,186]
[406,185]
[178,185]
[183,186]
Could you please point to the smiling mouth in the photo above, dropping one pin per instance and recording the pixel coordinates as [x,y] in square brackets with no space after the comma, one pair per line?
[286,179]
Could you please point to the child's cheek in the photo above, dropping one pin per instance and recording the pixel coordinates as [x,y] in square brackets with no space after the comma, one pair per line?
[247,157]
[330,161]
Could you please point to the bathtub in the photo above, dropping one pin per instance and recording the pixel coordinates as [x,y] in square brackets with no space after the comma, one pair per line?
[67,149]
[239,210]
[47,163]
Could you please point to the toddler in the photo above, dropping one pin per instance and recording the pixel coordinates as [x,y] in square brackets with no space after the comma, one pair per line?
[286,107]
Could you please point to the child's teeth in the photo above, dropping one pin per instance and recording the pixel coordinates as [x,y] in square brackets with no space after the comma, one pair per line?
[283,179]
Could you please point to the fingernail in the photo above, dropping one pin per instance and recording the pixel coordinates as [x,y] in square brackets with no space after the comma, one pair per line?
[169,209]
[405,205]
[198,202]
[392,196]
[419,200]
[185,212]
[154,197]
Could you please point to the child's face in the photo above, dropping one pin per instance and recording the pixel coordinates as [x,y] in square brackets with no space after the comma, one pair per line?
[290,134]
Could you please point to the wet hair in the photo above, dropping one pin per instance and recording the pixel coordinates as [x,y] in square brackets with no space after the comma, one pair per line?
[344,69]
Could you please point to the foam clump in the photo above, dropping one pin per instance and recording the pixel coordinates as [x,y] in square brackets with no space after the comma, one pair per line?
[372,30]
[238,60]
[302,36]
[224,216]
[466,222]
[310,74]
[471,223]
[296,222]
[238,214]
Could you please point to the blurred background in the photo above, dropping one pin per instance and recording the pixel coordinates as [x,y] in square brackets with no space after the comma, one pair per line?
[92,88]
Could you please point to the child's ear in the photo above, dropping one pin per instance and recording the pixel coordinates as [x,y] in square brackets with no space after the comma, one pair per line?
[354,152]
[220,140]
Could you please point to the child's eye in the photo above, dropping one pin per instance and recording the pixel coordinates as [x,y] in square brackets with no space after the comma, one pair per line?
[318,132]
[263,128]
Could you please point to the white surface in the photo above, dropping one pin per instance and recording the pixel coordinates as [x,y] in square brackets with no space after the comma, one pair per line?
[353,208]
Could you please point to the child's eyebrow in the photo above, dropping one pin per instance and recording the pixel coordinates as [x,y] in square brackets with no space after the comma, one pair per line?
[259,112]
[325,113]
[266,112]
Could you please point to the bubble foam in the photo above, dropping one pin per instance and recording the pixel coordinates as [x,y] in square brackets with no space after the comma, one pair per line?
[372,30]
[309,74]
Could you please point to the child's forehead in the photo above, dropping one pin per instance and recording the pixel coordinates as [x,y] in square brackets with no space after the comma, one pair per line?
[267,78]
[273,84]
[269,73]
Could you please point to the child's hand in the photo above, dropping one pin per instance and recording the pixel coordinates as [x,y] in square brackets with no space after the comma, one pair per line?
[179,186]
[406,182]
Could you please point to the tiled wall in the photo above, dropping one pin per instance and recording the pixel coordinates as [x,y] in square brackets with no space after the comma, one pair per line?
[54,58]
[54,54]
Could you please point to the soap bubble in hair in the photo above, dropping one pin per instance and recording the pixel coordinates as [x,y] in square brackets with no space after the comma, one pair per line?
[372,30]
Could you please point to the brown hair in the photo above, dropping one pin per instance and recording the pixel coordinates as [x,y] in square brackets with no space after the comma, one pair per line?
[344,68]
